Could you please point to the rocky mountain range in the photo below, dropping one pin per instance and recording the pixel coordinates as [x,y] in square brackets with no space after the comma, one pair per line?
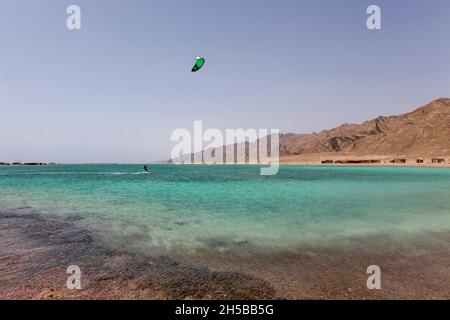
[421,134]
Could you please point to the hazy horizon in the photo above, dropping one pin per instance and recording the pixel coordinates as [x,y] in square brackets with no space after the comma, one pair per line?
[114,91]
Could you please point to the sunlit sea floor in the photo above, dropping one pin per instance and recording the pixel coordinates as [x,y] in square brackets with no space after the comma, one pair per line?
[306,232]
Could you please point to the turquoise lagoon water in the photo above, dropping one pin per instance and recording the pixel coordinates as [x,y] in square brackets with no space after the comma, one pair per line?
[191,208]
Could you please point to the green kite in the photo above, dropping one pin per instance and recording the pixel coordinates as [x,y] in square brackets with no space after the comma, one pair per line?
[198,64]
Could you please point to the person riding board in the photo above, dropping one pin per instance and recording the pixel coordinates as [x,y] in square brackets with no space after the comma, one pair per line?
[145,168]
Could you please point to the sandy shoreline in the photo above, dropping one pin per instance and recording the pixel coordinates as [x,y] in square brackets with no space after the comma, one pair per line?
[371,160]
[315,164]
[35,252]
[393,165]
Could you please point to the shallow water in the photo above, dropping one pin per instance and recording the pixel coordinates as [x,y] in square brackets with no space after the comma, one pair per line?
[189,209]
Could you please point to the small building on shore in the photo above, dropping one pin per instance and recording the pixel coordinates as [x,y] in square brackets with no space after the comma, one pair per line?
[437,160]
[419,160]
[398,161]
[363,161]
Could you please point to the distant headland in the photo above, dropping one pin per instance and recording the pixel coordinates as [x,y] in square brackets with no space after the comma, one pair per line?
[27,164]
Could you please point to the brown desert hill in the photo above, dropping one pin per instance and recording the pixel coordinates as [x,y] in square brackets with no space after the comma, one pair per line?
[423,133]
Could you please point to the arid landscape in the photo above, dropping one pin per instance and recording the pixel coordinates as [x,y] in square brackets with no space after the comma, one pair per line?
[423,134]
[418,138]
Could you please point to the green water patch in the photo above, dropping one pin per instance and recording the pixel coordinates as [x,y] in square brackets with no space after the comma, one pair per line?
[190,208]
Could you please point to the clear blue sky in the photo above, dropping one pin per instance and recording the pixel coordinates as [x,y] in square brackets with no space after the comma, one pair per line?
[115,91]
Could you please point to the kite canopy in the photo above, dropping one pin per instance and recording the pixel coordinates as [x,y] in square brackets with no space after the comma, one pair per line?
[198,64]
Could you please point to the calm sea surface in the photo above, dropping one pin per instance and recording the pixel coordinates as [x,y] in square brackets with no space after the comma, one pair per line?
[191,208]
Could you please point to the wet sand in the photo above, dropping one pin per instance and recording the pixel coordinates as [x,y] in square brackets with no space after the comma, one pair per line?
[35,252]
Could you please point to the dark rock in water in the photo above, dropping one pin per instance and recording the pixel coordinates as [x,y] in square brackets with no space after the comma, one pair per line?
[227,245]
[24,208]
[74,217]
